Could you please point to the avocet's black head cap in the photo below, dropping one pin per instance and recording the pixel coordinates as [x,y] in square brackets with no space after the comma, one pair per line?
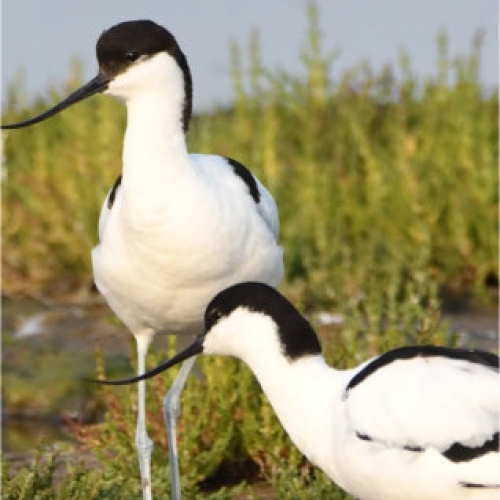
[296,334]
[123,44]
[118,48]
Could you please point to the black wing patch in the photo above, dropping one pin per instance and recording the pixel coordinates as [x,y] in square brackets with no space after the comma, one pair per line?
[114,189]
[460,453]
[456,453]
[473,356]
[407,447]
[247,177]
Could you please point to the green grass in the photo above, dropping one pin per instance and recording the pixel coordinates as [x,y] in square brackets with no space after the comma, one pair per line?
[387,191]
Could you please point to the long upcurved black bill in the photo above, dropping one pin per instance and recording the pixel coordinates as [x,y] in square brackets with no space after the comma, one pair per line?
[195,348]
[97,84]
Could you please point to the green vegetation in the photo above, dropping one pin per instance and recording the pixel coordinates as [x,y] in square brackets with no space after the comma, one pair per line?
[228,433]
[372,174]
[387,189]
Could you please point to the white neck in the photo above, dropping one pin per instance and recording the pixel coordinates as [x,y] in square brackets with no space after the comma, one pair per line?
[305,395]
[154,150]
[154,133]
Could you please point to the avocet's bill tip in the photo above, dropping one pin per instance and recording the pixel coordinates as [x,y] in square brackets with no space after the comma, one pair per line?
[97,84]
[195,348]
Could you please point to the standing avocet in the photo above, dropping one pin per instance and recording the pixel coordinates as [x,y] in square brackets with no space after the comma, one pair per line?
[415,423]
[176,228]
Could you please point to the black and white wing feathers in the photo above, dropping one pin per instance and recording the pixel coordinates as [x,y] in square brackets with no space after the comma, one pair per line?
[417,398]
[266,205]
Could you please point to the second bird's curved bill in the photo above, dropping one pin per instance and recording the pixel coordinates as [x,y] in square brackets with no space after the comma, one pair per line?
[195,348]
[98,84]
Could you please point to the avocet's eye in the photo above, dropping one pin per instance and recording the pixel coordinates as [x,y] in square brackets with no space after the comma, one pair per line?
[132,55]
[213,316]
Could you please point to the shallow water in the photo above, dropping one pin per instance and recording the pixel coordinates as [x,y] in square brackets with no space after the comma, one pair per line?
[46,346]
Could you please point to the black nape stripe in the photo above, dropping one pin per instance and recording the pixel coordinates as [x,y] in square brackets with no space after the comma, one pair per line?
[114,189]
[460,453]
[472,356]
[247,177]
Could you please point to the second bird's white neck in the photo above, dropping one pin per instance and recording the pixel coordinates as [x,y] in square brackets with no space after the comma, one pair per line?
[305,395]
[304,392]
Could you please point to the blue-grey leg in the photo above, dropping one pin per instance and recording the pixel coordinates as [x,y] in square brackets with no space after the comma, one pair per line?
[143,443]
[171,412]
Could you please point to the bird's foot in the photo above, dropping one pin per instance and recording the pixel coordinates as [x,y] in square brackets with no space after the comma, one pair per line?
[144,447]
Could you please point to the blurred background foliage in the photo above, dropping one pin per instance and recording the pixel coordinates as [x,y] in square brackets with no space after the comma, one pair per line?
[375,172]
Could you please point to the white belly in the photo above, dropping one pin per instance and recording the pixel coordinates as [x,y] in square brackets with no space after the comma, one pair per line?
[155,282]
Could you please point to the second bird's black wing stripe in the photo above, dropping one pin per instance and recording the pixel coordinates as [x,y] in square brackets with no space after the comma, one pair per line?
[455,453]
[407,447]
[247,177]
[461,453]
[473,356]
[114,189]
